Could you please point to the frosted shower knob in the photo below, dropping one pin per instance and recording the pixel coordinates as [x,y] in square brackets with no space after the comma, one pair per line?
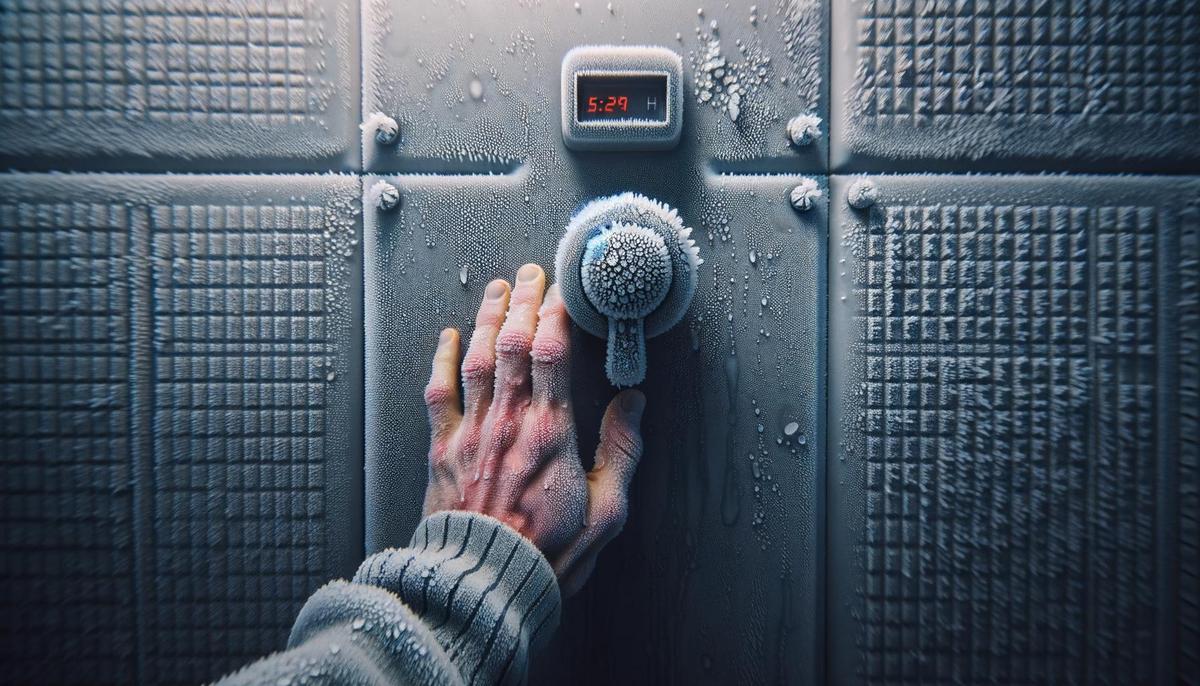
[627,270]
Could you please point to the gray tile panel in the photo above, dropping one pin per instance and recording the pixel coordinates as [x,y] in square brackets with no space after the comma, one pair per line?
[192,85]
[1018,85]
[1005,429]
[476,86]
[717,575]
[181,446]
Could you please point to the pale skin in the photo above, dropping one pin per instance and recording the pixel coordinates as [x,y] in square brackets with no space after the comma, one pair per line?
[503,440]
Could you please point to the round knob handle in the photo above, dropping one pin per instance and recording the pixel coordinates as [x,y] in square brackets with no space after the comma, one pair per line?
[627,271]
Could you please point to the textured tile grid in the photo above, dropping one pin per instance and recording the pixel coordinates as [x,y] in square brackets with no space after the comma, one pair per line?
[156,60]
[66,555]
[1189,447]
[242,362]
[1008,407]
[921,61]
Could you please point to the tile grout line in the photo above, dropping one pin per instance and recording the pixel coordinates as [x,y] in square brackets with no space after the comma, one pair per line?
[139,294]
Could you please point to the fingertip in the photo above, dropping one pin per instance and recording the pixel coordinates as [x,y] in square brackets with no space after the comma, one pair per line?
[497,289]
[632,403]
[529,272]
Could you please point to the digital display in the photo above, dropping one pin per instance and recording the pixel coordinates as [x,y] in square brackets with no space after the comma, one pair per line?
[609,97]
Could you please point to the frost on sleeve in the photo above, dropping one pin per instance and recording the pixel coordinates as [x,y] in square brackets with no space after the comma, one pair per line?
[466,603]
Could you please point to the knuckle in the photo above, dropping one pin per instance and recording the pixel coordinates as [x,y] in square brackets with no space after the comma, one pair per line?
[478,365]
[550,351]
[439,392]
[513,343]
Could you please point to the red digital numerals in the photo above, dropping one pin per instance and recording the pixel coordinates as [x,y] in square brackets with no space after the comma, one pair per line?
[612,103]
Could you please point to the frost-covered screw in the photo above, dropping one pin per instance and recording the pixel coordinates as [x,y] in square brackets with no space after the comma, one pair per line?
[805,195]
[804,129]
[387,130]
[862,194]
[384,196]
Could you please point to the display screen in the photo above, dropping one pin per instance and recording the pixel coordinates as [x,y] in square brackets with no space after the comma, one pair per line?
[608,97]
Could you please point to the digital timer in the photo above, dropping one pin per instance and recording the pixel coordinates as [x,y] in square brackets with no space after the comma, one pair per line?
[622,98]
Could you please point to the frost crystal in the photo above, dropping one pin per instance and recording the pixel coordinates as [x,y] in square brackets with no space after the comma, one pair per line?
[805,195]
[804,129]
[387,131]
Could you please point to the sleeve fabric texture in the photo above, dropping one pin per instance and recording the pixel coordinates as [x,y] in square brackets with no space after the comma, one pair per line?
[466,602]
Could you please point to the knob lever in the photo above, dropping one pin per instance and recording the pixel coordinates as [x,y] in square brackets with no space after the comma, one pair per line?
[627,271]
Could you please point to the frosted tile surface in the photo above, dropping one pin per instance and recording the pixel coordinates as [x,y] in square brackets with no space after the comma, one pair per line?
[66,545]
[925,85]
[1004,409]
[192,84]
[717,574]
[475,85]
[180,411]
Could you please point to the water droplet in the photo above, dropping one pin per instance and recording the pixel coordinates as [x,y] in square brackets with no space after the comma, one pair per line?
[791,428]
[475,88]
[462,275]
[357,624]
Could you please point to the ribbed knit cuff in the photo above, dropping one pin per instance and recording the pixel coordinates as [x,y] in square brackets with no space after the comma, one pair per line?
[487,593]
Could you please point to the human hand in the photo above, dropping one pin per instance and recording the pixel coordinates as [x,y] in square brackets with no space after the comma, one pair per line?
[506,445]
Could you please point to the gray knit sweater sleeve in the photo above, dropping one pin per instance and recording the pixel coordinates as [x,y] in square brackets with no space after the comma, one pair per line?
[465,603]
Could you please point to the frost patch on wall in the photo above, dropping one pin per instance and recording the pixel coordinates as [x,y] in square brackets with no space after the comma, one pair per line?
[166,76]
[1086,80]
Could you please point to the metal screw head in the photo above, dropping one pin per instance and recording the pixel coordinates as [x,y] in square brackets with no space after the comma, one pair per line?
[804,129]
[387,129]
[384,196]
[862,194]
[805,195]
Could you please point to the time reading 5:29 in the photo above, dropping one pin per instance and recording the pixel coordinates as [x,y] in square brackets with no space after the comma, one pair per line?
[612,103]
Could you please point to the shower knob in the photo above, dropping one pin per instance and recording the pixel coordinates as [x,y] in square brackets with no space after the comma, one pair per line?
[626,267]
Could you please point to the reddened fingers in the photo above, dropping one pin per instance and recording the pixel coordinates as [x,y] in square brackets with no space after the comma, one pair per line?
[516,337]
[617,458]
[552,351]
[479,365]
[441,393]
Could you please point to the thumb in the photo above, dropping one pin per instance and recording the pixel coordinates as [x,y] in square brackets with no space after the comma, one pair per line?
[617,458]
[620,438]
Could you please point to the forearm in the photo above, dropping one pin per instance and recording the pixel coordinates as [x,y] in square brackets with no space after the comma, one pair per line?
[466,602]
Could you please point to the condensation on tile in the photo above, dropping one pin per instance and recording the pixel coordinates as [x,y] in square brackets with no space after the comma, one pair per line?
[998,410]
[1025,84]
[179,85]
[180,412]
